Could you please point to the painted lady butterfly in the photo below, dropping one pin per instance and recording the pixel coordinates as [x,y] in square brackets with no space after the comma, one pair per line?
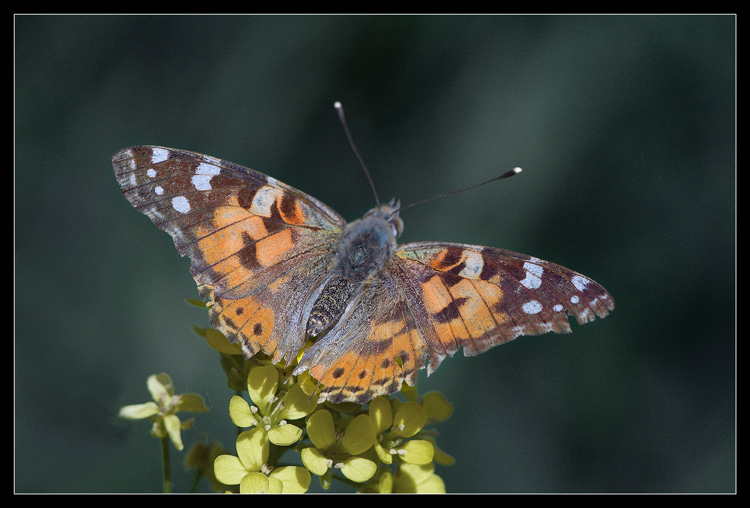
[280,267]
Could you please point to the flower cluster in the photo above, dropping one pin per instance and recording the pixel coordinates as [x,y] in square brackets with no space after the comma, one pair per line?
[275,405]
[382,446]
[285,436]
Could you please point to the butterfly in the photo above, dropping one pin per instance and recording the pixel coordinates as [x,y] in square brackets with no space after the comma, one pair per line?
[277,268]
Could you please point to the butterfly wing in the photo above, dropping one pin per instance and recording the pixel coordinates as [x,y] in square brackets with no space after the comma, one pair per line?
[478,297]
[436,297]
[256,245]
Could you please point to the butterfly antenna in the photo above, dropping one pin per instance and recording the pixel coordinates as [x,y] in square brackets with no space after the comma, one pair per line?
[507,174]
[340,111]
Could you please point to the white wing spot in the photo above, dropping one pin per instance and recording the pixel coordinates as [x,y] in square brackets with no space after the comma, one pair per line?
[533,275]
[159,190]
[574,299]
[557,307]
[579,282]
[151,172]
[203,174]
[264,200]
[473,265]
[201,182]
[159,155]
[532,307]
[181,204]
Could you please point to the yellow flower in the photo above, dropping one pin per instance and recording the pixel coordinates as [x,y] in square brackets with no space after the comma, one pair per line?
[251,472]
[162,412]
[393,430]
[272,409]
[339,448]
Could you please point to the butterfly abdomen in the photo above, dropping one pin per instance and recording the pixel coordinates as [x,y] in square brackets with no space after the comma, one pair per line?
[329,305]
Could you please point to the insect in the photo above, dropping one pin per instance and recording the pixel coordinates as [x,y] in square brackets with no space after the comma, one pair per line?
[278,267]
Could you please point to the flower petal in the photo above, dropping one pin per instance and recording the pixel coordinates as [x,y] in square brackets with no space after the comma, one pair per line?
[408,476]
[320,429]
[409,419]
[252,448]
[439,456]
[359,435]
[308,384]
[314,460]
[191,402]
[229,469]
[254,483]
[385,483]
[240,413]
[262,383]
[275,486]
[411,478]
[284,435]
[417,451]
[432,485]
[383,454]
[218,342]
[296,479]
[436,407]
[139,411]
[160,387]
[381,414]
[359,469]
[172,424]
[297,404]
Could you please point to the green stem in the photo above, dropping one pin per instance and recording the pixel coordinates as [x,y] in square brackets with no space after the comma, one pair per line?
[165,460]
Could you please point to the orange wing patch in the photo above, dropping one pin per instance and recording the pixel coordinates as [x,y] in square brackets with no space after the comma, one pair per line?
[439,303]
[474,311]
[249,321]
[257,230]
[462,311]
[274,248]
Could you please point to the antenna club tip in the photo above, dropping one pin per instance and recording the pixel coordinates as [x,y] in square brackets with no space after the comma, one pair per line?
[517,170]
[337,105]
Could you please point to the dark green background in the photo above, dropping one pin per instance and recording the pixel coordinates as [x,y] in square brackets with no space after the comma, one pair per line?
[625,128]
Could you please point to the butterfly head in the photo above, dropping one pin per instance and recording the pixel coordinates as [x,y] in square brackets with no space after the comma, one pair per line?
[389,213]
